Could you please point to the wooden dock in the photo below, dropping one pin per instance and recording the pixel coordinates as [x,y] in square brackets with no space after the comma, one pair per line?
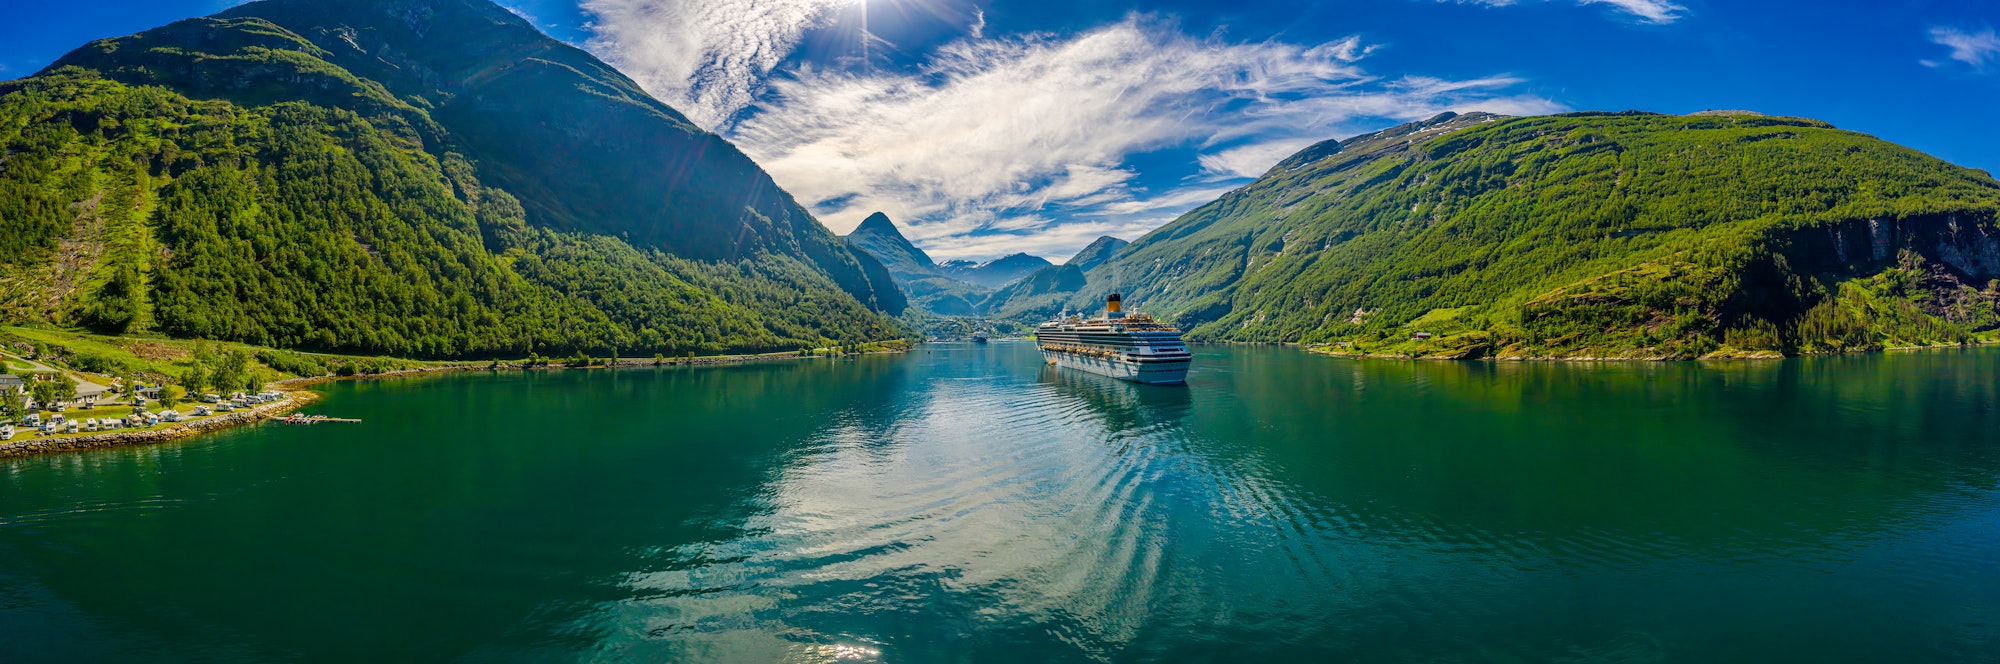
[296,418]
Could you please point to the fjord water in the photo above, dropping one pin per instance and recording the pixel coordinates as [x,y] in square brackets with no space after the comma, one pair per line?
[967,503]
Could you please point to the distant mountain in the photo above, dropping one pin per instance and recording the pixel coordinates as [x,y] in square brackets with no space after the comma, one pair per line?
[880,238]
[954,288]
[1044,293]
[923,282]
[1039,296]
[1588,234]
[1099,251]
[997,272]
[421,177]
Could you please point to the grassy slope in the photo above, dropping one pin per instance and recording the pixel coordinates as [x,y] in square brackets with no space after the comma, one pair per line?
[1586,235]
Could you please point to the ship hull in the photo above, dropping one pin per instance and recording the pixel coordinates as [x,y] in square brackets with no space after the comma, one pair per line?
[1172,372]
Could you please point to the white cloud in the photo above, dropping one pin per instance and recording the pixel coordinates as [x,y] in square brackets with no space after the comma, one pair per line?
[703,57]
[1652,11]
[1055,242]
[523,13]
[1252,160]
[1971,48]
[1000,144]
[992,132]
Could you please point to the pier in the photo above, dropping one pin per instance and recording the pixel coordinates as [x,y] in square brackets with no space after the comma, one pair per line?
[296,418]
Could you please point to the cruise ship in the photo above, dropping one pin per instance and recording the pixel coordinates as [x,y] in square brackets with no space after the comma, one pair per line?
[1135,348]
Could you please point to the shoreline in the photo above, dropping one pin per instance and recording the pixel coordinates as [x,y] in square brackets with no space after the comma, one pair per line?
[298,396]
[1752,356]
[294,400]
[622,363]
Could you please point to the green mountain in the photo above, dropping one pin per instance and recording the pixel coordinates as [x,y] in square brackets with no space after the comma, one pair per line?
[1589,234]
[1039,296]
[421,177]
[1099,251]
[923,282]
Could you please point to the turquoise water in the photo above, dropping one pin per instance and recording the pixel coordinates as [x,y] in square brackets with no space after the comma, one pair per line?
[967,503]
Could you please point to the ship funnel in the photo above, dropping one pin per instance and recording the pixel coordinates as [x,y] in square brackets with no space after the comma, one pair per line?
[1114,306]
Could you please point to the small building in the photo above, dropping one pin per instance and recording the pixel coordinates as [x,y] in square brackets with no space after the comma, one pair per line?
[1420,336]
[149,392]
[13,383]
[90,392]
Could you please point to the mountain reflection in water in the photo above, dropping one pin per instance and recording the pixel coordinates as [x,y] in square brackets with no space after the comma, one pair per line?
[969,503]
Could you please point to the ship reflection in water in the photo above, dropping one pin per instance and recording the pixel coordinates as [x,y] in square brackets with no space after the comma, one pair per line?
[1059,515]
[970,502]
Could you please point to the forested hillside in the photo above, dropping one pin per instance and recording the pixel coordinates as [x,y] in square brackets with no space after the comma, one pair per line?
[1591,234]
[427,177]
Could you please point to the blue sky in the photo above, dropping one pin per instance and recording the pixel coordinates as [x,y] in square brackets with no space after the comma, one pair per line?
[985,127]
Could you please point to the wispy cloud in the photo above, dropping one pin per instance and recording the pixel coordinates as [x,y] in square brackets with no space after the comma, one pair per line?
[706,58]
[1972,48]
[1653,11]
[1252,160]
[1650,11]
[996,144]
[994,131]
[1056,242]
[523,13]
